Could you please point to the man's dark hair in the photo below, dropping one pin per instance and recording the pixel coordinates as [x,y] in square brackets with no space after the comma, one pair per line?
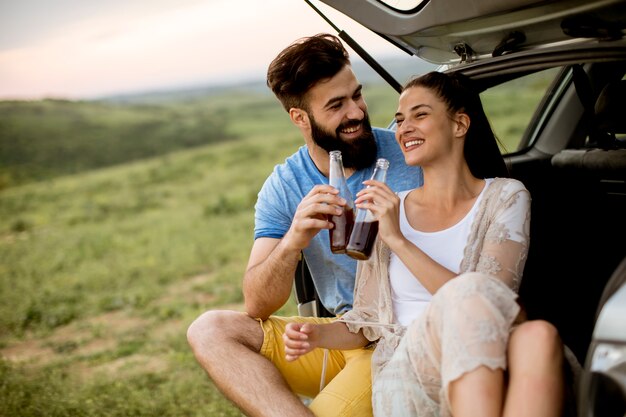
[303,64]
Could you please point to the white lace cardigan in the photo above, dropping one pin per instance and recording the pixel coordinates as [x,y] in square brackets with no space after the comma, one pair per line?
[489,249]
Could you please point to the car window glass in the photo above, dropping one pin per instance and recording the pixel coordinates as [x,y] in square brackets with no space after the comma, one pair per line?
[510,106]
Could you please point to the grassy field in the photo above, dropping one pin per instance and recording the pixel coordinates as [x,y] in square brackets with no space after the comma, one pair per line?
[102,271]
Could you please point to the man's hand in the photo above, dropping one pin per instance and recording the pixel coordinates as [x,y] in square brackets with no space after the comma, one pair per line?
[312,216]
[300,339]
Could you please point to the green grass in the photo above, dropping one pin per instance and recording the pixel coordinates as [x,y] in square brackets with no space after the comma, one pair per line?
[152,243]
[102,270]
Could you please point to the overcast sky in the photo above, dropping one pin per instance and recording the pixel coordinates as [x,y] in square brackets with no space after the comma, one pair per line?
[89,48]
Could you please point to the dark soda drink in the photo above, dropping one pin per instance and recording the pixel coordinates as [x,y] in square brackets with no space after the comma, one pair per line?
[365,228]
[340,234]
[362,240]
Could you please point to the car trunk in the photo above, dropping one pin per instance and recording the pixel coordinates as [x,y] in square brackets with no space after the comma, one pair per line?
[458,31]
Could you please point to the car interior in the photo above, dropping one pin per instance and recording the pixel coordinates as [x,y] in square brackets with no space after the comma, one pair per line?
[578,205]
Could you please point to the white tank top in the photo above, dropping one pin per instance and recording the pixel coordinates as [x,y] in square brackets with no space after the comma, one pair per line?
[445,247]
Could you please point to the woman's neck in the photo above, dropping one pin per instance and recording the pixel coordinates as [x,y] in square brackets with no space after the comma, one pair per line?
[447,186]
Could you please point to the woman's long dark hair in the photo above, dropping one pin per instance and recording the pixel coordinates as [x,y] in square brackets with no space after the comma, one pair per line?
[481,145]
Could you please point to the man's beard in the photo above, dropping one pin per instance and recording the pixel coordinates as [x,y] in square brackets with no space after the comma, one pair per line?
[358,154]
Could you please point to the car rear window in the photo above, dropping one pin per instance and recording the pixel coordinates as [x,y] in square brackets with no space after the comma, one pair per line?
[510,106]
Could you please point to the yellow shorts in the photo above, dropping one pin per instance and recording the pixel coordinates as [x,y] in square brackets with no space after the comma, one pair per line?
[348,380]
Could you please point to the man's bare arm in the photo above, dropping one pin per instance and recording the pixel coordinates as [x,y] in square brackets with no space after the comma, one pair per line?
[269,276]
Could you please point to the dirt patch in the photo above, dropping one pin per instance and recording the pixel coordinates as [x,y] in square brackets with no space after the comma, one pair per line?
[128,366]
[81,340]
[27,351]
[188,290]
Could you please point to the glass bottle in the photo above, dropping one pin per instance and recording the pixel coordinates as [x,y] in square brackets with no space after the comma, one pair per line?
[340,233]
[365,227]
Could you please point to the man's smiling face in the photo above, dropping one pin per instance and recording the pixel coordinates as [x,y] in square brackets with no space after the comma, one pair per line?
[339,119]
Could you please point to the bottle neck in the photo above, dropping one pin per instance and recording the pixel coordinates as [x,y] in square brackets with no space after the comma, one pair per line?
[380,174]
[336,173]
[380,171]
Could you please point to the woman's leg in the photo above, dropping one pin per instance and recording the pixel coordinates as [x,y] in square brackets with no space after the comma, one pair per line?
[536,385]
[536,382]
[476,393]
[458,347]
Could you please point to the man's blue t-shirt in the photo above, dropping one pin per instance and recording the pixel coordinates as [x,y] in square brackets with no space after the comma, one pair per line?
[333,275]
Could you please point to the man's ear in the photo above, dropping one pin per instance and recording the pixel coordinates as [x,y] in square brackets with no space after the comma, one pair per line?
[299,117]
[462,124]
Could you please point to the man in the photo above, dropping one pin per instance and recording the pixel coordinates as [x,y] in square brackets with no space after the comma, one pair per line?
[244,353]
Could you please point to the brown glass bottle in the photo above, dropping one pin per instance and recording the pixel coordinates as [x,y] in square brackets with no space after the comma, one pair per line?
[342,223]
[340,233]
[362,240]
[365,227]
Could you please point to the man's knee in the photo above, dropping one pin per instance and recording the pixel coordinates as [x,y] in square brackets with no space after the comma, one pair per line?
[220,327]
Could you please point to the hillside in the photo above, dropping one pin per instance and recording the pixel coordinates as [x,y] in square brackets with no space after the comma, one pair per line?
[42,140]
[45,139]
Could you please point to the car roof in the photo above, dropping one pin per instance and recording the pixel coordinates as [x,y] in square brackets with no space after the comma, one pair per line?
[457,31]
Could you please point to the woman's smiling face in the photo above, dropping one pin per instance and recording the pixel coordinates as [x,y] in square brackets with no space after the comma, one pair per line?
[424,126]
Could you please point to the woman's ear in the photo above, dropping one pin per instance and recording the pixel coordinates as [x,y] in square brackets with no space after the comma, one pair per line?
[462,124]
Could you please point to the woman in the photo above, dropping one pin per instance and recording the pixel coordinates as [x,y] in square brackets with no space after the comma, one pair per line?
[439,294]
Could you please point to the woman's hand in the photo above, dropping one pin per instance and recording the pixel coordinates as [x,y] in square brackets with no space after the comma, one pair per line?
[300,339]
[385,204]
